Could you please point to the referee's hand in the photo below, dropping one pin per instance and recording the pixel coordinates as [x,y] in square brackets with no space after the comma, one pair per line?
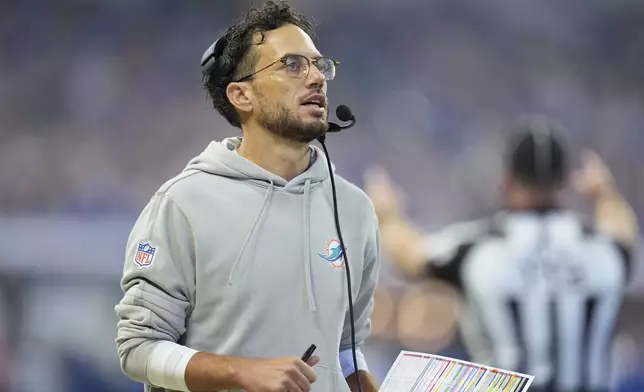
[594,179]
[384,195]
[285,374]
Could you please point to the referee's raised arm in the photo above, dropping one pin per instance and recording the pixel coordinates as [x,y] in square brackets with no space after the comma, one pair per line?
[403,244]
[614,216]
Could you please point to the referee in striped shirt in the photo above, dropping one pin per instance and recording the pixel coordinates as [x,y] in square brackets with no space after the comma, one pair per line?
[541,290]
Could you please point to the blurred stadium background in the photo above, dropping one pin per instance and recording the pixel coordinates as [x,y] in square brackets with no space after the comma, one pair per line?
[100,103]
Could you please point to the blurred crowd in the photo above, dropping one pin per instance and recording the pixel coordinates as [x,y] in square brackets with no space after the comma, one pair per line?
[101,102]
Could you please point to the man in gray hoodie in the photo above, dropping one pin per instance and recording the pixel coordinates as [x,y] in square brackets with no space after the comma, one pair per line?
[233,268]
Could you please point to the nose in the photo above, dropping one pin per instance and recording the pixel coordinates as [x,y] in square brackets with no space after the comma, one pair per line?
[315,78]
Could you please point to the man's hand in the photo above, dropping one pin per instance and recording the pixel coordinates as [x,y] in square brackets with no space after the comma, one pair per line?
[594,179]
[381,190]
[286,374]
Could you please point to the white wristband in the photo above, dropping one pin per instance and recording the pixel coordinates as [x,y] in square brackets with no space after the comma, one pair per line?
[346,362]
[167,364]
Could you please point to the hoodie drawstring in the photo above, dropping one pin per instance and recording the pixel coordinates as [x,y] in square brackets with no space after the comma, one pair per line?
[252,230]
[306,232]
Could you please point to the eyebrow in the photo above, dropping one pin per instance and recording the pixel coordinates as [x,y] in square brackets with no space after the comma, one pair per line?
[314,57]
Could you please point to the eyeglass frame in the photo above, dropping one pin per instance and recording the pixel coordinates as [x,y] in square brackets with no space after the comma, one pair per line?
[283,61]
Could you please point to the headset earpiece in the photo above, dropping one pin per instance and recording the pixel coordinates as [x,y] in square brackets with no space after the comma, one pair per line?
[214,62]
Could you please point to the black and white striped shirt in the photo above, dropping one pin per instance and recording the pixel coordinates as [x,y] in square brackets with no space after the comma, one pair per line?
[541,294]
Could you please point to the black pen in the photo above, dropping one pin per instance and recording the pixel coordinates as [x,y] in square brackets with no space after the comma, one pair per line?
[309,351]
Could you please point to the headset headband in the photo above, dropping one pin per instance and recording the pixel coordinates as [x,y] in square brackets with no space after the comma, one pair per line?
[214,60]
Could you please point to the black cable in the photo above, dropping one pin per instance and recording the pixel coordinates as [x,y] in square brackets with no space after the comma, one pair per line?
[346,260]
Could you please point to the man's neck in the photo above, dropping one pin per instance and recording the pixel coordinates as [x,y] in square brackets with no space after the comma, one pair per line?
[281,157]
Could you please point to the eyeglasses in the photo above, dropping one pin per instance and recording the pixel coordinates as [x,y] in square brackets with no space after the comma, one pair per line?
[298,66]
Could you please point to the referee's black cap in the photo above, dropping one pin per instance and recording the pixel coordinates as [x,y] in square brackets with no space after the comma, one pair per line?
[536,154]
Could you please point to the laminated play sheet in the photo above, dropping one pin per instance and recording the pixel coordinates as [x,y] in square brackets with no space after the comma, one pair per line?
[419,372]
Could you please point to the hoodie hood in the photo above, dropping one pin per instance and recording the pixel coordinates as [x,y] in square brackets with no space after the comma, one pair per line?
[220,158]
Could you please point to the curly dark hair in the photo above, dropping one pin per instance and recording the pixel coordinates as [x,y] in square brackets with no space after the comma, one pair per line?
[239,46]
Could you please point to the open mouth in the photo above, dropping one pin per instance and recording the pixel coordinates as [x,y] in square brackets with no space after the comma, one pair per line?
[316,101]
[313,104]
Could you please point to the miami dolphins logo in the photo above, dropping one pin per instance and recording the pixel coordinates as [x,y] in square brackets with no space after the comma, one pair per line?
[333,253]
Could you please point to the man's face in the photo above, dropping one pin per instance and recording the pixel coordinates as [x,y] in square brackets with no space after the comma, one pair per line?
[292,106]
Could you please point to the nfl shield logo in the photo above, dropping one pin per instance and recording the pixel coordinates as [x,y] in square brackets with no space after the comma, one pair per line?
[145,254]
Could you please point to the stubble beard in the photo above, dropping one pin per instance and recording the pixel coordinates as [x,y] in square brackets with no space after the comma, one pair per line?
[282,122]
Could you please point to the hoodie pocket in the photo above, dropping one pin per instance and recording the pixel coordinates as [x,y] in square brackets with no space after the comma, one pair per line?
[329,380]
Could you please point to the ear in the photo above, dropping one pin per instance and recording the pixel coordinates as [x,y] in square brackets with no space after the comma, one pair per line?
[240,96]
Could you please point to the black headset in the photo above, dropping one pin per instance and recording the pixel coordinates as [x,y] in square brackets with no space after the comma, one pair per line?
[214,62]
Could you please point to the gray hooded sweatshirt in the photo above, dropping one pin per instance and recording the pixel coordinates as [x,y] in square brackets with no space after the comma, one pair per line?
[230,259]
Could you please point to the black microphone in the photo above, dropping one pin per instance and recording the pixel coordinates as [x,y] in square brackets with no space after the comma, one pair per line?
[344,114]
